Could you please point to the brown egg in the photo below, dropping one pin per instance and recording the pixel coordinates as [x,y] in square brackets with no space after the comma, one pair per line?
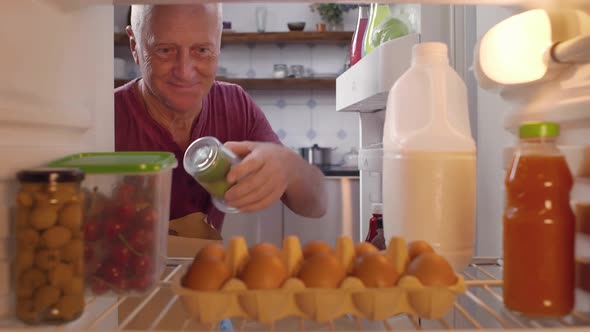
[375,271]
[363,248]
[415,248]
[432,270]
[264,248]
[316,247]
[322,270]
[214,250]
[206,274]
[264,271]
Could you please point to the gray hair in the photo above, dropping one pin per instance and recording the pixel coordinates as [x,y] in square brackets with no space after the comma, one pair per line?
[141,13]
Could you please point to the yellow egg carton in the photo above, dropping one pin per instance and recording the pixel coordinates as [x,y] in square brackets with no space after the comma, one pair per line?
[293,299]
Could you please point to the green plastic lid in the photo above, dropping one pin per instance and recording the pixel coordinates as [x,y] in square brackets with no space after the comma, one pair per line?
[539,129]
[118,162]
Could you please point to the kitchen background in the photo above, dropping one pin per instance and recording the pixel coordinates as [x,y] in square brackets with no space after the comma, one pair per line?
[300,117]
[306,116]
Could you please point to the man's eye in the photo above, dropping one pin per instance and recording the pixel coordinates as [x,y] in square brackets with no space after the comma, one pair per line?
[164,51]
[204,52]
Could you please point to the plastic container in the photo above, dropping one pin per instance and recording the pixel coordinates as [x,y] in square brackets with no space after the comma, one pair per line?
[126,217]
[429,161]
[539,226]
[208,161]
[49,262]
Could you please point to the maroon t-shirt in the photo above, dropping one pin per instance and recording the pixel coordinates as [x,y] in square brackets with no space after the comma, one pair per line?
[228,113]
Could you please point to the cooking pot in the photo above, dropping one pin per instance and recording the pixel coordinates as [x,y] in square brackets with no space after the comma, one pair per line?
[316,155]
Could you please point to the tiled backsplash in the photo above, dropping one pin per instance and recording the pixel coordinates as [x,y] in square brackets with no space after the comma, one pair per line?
[304,118]
[300,118]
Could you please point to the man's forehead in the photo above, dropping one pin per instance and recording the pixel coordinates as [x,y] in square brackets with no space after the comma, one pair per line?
[169,18]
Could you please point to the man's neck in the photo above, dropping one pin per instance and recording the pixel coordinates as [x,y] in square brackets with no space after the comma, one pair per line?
[178,124]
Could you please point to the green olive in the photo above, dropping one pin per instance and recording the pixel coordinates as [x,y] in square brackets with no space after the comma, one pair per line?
[27,238]
[43,217]
[22,216]
[73,250]
[70,306]
[56,237]
[32,279]
[24,260]
[24,199]
[70,216]
[61,274]
[45,297]
[47,259]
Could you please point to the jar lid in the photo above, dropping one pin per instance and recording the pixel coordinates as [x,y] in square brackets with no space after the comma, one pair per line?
[44,175]
[204,156]
[539,129]
[377,208]
[201,154]
[118,162]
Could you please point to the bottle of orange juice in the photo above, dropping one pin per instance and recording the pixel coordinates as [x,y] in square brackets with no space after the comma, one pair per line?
[539,226]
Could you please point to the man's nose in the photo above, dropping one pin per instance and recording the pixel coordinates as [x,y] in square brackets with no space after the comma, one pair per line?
[185,66]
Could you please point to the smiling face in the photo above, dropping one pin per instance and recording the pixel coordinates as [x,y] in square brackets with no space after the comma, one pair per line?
[177,49]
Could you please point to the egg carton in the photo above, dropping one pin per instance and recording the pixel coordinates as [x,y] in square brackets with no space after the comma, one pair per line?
[293,299]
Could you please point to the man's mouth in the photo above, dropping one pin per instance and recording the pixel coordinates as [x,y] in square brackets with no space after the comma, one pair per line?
[184,86]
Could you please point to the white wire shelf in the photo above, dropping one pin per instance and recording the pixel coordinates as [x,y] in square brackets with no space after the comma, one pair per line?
[480,307]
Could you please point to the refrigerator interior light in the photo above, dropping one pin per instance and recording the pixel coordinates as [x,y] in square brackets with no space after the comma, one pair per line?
[525,48]
[512,52]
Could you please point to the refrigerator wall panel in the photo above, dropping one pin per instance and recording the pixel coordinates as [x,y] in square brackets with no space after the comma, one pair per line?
[342,216]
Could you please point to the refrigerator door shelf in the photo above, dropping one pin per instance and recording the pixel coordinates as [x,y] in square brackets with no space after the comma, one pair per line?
[365,86]
[371,158]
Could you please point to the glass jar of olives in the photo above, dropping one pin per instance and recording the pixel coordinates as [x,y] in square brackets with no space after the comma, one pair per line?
[209,161]
[49,261]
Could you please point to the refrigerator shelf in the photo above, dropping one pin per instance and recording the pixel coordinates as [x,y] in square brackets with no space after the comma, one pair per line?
[479,308]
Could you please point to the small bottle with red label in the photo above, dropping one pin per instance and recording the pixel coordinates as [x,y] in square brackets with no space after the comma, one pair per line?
[379,240]
[376,211]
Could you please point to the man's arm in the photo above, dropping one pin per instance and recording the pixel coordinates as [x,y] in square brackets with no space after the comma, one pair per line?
[306,194]
[269,172]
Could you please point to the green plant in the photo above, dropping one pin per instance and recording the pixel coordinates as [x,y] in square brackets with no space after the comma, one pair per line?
[331,12]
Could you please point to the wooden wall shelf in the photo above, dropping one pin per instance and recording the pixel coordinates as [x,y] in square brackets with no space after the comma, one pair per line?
[274,83]
[288,37]
[331,37]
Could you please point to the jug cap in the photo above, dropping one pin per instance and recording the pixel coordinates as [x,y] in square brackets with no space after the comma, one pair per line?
[377,208]
[539,129]
[430,50]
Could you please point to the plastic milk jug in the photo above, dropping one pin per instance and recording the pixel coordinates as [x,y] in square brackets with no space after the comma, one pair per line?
[429,160]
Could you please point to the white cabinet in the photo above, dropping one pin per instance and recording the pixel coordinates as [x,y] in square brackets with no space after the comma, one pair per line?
[277,221]
[342,216]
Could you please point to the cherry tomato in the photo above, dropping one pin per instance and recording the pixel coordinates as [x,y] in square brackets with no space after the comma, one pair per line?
[92,230]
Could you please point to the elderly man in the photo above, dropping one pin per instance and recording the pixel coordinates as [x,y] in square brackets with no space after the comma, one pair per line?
[177,100]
